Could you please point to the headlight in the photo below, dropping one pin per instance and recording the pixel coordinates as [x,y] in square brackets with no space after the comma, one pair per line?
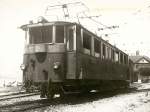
[56,65]
[22,66]
[41,19]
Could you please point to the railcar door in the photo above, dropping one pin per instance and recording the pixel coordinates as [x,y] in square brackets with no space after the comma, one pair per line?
[71,52]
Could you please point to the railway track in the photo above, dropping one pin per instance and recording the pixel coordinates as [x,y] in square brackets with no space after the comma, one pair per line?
[19,101]
[17,95]
[27,105]
[9,94]
[24,106]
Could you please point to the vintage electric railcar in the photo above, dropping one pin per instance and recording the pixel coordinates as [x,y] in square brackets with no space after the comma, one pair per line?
[65,57]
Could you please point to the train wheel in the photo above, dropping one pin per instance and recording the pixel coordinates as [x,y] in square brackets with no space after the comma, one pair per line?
[61,92]
[43,90]
[85,91]
[42,96]
[50,93]
[50,90]
[50,96]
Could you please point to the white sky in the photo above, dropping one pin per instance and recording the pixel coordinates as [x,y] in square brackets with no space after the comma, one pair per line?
[132,17]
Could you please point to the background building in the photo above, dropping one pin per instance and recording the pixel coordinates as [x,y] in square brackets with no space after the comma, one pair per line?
[141,68]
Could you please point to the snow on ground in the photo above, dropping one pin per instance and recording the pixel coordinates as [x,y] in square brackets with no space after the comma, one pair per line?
[15,89]
[130,102]
[19,100]
[9,90]
[144,86]
[120,103]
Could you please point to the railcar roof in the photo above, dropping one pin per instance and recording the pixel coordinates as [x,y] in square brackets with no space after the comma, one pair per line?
[45,24]
[68,23]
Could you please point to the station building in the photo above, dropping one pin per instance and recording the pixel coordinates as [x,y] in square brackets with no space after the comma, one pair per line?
[141,68]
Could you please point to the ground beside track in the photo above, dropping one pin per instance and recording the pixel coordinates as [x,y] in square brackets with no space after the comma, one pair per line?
[116,101]
[123,101]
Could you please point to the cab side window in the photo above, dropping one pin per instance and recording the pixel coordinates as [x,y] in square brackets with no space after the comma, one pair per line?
[70,35]
[59,34]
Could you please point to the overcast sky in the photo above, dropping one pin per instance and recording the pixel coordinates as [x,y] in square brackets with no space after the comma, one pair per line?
[132,17]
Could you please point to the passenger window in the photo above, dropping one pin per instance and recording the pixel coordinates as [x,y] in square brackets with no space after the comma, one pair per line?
[87,43]
[59,34]
[104,51]
[78,37]
[108,53]
[125,59]
[116,56]
[112,54]
[121,58]
[96,48]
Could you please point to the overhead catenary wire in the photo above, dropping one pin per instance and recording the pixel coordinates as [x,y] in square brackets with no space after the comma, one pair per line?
[65,6]
[65,10]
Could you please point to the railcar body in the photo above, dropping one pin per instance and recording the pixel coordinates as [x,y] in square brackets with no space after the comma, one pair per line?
[64,56]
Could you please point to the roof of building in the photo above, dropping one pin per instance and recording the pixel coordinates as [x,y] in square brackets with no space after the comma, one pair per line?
[136,59]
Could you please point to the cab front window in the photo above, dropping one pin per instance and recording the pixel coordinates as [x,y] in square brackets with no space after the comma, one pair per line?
[41,34]
[45,34]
